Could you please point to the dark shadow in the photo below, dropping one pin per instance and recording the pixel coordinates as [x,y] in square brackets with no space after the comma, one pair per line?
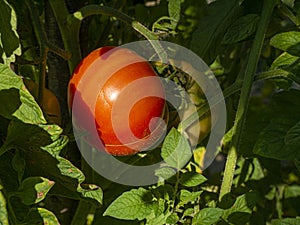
[10,102]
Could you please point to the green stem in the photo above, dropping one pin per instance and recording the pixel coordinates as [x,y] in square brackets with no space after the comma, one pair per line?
[104,10]
[42,40]
[76,18]
[80,216]
[244,97]
[69,33]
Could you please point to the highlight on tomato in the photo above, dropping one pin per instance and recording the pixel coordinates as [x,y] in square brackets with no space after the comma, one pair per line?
[117,92]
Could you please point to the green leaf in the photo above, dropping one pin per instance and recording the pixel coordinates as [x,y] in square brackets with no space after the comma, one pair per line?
[241,29]
[3,210]
[289,3]
[191,179]
[19,103]
[9,39]
[41,216]
[278,138]
[272,142]
[131,205]
[293,135]
[19,164]
[174,12]
[41,146]
[176,150]
[165,172]
[157,220]
[240,212]
[206,40]
[25,137]
[56,147]
[248,169]
[34,189]
[165,192]
[187,196]
[288,42]
[292,191]
[286,221]
[172,219]
[188,212]
[285,59]
[207,216]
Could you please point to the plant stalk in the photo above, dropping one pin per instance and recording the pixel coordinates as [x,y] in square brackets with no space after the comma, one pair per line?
[250,70]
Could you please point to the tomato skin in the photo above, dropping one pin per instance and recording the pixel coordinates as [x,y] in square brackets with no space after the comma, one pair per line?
[102,66]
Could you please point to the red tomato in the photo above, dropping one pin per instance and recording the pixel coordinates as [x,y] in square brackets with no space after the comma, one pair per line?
[121,93]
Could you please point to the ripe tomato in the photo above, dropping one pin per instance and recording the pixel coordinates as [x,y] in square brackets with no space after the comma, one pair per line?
[50,104]
[114,93]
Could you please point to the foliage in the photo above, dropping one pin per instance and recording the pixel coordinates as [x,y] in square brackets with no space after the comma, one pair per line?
[247,44]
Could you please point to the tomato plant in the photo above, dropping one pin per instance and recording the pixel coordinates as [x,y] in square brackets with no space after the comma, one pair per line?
[112,126]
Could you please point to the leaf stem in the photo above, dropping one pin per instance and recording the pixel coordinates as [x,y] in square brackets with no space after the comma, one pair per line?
[250,70]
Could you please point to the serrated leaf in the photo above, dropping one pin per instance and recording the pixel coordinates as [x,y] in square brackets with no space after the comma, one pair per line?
[288,42]
[34,189]
[3,210]
[41,216]
[241,29]
[207,38]
[19,103]
[131,205]
[191,179]
[176,150]
[55,147]
[207,216]
[286,221]
[9,38]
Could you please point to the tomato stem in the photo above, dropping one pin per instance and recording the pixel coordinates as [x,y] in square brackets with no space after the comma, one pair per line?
[250,70]
[69,32]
